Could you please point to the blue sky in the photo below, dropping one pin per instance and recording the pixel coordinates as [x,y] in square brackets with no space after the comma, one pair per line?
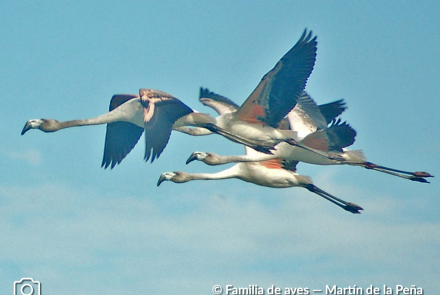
[79,229]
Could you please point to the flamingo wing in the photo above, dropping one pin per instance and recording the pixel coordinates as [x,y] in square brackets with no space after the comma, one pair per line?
[334,138]
[220,104]
[161,111]
[306,117]
[278,91]
[332,110]
[120,137]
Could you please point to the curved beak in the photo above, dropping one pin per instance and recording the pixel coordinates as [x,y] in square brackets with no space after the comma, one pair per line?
[191,158]
[26,127]
[419,179]
[161,179]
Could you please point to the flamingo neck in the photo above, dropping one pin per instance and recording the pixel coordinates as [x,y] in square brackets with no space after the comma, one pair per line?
[225,174]
[110,117]
[245,158]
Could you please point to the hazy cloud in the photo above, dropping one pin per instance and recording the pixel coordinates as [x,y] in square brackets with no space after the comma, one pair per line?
[32,157]
[123,239]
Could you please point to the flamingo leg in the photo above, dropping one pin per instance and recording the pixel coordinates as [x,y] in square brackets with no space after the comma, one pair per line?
[256,145]
[350,207]
[414,176]
[329,155]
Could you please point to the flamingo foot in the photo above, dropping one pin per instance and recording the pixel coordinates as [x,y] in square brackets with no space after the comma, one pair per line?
[353,208]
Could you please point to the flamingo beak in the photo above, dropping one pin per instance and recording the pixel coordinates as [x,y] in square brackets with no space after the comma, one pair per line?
[419,179]
[26,127]
[162,178]
[191,158]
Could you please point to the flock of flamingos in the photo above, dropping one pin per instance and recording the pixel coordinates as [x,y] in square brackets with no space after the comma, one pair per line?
[279,124]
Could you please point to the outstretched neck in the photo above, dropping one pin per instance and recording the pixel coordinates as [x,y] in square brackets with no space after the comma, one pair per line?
[244,158]
[103,119]
[225,174]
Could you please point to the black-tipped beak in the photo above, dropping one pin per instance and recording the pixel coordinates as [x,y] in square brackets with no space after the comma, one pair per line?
[26,128]
[191,158]
[161,179]
[419,179]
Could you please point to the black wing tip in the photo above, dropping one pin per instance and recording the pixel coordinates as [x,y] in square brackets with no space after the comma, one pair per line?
[147,154]
[205,93]
[110,165]
[153,154]
[338,122]
[106,163]
[332,110]
[345,133]
[344,124]
[340,104]
[306,37]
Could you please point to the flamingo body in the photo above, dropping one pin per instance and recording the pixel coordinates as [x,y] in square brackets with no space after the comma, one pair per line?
[129,115]
[309,123]
[272,173]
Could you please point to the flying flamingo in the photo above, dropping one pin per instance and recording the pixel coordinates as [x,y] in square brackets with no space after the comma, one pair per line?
[275,173]
[129,115]
[310,124]
[157,113]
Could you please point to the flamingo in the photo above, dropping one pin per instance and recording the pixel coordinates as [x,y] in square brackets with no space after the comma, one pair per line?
[157,113]
[129,115]
[276,95]
[274,173]
[255,123]
[310,124]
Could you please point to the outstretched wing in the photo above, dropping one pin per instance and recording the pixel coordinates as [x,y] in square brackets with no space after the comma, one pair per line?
[220,104]
[332,110]
[278,91]
[341,135]
[161,111]
[120,137]
[306,117]
[334,138]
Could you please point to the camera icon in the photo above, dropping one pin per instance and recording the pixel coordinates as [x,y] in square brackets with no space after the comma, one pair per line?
[27,286]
